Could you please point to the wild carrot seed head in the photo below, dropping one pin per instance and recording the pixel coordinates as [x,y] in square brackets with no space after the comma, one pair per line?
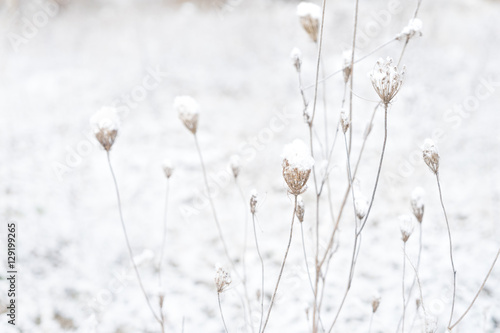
[310,16]
[344,120]
[235,164]
[105,124]
[253,201]
[188,110]
[347,56]
[296,56]
[417,203]
[297,165]
[413,29]
[168,168]
[387,79]
[222,279]
[431,155]
[406,225]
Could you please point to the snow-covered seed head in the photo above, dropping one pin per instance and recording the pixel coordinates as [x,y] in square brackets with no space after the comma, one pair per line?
[300,209]
[297,165]
[361,206]
[309,15]
[347,55]
[168,167]
[417,203]
[431,155]
[344,120]
[222,279]
[375,304]
[406,225]
[296,57]
[413,29]
[188,110]
[253,201]
[235,164]
[387,79]
[105,124]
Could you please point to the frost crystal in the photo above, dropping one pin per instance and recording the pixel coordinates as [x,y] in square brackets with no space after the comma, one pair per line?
[431,155]
[414,28]
[386,79]
[296,56]
[168,167]
[188,110]
[297,165]
[417,203]
[406,225]
[105,124]
[309,15]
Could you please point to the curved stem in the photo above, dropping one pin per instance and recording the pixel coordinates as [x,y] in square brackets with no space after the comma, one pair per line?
[221,314]
[164,237]
[282,267]
[131,254]
[262,291]
[403,287]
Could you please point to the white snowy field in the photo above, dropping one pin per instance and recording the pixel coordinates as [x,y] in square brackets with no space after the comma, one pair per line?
[62,63]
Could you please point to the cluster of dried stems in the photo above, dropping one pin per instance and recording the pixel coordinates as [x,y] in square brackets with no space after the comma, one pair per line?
[387,81]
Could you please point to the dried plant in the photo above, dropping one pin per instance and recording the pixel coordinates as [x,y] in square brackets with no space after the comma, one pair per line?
[310,16]
[387,79]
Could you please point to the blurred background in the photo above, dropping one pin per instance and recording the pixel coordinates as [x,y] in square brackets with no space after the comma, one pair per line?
[60,61]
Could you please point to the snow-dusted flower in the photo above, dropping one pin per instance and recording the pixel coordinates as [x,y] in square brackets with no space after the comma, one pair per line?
[344,120]
[361,206]
[309,15]
[300,209]
[168,167]
[431,155]
[253,201]
[188,110]
[375,303]
[297,165]
[105,124]
[296,57]
[347,56]
[387,79]
[406,225]
[235,164]
[417,203]
[414,28]
[222,279]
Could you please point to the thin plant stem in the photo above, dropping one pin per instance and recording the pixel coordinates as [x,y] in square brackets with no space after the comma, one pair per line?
[221,313]
[212,206]
[450,327]
[403,287]
[164,237]
[352,72]
[451,249]
[371,322]
[262,291]
[282,267]
[320,45]
[131,254]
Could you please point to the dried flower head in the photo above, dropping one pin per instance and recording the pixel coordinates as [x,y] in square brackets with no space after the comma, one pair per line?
[105,124]
[168,167]
[418,303]
[253,201]
[375,304]
[235,164]
[361,204]
[300,209]
[431,155]
[296,56]
[406,225]
[344,120]
[347,56]
[188,110]
[222,279]
[414,28]
[309,15]
[417,203]
[297,165]
[430,324]
[386,79]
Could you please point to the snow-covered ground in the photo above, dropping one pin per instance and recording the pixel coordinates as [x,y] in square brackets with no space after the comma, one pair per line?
[74,270]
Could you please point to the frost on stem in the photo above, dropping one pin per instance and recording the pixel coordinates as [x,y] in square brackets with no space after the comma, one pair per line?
[222,279]
[168,167]
[297,165]
[387,79]
[406,225]
[105,124]
[310,16]
[188,110]
[300,209]
[235,164]
[431,155]
[417,203]
[344,120]
[253,201]
[413,29]
[296,57]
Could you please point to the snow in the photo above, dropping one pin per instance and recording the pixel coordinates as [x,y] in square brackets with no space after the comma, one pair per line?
[406,225]
[105,119]
[186,106]
[298,156]
[414,28]
[308,9]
